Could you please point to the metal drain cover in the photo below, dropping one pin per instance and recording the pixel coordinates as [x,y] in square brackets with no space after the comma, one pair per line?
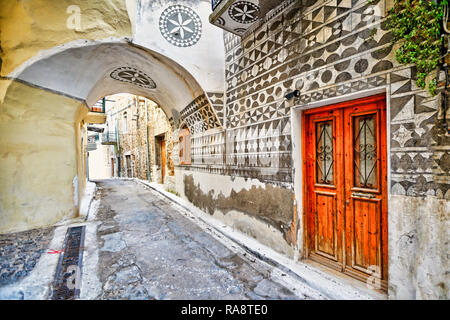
[67,282]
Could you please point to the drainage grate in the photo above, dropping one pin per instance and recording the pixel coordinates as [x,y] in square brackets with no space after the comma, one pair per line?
[67,282]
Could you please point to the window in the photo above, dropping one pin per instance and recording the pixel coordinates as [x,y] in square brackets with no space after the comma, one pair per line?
[185,146]
[125,123]
[365,151]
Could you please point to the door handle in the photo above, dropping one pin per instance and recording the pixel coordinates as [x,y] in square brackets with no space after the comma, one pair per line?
[363,195]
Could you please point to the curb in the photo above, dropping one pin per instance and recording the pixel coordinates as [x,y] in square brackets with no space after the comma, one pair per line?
[345,291]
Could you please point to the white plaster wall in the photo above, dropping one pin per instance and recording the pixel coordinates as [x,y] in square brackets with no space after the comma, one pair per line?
[249,225]
[204,60]
[296,127]
[99,168]
[419,248]
[218,183]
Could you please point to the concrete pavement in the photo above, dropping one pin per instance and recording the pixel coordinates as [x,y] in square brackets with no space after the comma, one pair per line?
[141,242]
[146,247]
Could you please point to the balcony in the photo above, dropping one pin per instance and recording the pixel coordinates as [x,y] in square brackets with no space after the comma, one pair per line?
[96,113]
[237,16]
[99,106]
[109,138]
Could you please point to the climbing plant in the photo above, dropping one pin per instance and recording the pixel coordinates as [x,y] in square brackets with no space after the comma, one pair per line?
[416,27]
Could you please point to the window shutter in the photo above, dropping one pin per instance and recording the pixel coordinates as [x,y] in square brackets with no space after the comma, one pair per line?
[181,148]
[185,146]
[187,150]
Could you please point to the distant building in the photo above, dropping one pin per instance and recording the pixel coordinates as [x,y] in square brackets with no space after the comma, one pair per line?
[139,136]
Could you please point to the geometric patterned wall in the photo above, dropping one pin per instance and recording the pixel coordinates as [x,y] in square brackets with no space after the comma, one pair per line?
[200,116]
[325,49]
[420,157]
[218,104]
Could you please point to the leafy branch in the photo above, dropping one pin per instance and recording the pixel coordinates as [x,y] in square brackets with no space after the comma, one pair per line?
[416,26]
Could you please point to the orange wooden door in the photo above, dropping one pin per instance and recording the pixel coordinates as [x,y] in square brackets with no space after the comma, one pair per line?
[366,189]
[324,161]
[346,187]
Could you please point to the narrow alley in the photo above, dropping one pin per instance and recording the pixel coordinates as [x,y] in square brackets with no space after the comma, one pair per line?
[140,245]
[289,150]
[149,249]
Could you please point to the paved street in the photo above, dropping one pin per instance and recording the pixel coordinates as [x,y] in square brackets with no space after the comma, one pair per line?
[148,249]
[140,245]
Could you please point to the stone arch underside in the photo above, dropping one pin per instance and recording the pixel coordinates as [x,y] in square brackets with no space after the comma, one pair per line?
[94,70]
[43,103]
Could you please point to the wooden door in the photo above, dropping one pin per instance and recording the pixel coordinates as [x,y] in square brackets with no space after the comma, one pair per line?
[163,159]
[366,190]
[325,183]
[346,187]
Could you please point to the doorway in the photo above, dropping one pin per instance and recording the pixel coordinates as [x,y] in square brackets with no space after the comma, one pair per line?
[345,179]
[160,149]
[129,168]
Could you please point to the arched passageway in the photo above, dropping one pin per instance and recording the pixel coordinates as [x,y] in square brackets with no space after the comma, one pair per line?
[94,70]
[136,141]
[45,110]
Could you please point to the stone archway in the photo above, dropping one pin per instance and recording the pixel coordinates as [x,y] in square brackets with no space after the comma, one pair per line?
[45,105]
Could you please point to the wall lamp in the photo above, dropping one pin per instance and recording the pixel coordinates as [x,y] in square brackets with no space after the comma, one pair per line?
[290,95]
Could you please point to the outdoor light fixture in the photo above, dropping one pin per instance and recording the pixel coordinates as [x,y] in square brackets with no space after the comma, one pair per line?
[290,95]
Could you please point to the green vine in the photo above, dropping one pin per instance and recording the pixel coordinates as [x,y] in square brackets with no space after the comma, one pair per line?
[416,26]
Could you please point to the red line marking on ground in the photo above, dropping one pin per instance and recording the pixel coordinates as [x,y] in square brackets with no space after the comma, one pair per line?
[51,251]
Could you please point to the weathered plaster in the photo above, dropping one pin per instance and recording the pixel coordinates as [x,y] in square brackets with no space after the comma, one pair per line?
[254,227]
[37,157]
[419,248]
[296,232]
[31,26]
[257,209]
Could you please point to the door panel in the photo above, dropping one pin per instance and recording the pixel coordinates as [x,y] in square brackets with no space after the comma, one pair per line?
[129,170]
[366,235]
[326,225]
[365,169]
[345,172]
[324,156]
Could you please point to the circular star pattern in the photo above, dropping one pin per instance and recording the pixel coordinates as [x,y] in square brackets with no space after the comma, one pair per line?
[134,76]
[244,12]
[180,25]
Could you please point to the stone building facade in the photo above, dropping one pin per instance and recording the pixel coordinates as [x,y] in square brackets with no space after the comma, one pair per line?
[137,126]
